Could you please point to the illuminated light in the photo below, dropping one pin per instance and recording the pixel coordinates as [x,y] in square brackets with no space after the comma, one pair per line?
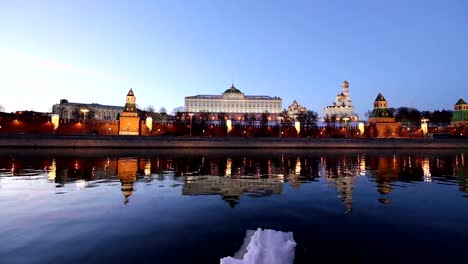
[426,170]
[361,127]
[298,166]
[229,125]
[297,125]
[55,121]
[148,168]
[149,123]
[80,184]
[52,171]
[362,166]
[228,167]
[424,125]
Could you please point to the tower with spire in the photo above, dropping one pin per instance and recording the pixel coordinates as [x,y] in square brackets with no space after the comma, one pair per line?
[129,121]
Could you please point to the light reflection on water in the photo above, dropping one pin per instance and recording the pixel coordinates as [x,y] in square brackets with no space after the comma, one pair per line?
[287,190]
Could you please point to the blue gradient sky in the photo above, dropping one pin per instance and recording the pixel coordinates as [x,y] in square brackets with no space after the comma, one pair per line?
[414,52]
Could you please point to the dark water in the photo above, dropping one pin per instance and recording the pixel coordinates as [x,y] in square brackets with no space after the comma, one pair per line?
[111,206]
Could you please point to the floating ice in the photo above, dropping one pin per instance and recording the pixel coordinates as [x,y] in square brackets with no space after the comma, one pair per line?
[264,247]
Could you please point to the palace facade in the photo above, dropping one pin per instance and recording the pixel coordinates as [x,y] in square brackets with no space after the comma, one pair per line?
[233,101]
[68,110]
[342,108]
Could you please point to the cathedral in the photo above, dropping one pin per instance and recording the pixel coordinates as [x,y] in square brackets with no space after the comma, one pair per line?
[342,108]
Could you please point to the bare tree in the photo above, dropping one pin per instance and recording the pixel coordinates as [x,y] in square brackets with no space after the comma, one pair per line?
[163,113]
[177,110]
[2,108]
[150,109]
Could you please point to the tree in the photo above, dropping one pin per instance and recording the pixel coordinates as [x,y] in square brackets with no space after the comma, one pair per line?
[163,113]
[178,109]
[312,117]
[150,111]
[2,108]
[440,117]
[408,116]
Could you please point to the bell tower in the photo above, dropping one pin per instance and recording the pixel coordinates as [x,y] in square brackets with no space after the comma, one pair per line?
[345,89]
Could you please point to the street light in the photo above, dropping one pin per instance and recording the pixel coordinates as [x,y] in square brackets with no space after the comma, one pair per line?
[84,111]
[191,114]
[279,125]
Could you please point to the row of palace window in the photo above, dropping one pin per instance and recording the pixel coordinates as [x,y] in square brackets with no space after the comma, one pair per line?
[261,104]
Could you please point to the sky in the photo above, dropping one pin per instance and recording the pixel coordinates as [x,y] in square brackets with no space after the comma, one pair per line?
[94,51]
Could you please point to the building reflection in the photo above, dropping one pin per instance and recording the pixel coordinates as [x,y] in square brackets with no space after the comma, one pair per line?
[341,173]
[236,175]
[229,189]
[460,171]
[127,169]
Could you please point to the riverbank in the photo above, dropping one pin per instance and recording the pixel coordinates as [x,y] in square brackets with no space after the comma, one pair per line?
[36,141]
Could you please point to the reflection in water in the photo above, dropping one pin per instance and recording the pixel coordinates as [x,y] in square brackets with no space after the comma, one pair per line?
[230,189]
[52,171]
[233,176]
[127,169]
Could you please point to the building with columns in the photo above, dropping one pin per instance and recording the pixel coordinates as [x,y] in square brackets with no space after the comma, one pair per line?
[129,120]
[69,110]
[233,101]
[342,108]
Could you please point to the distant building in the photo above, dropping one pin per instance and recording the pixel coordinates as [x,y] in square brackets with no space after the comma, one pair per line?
[460,113]
[233,101]
[295,109]
[129,120]
[68,110]
[342,108]
[382,120]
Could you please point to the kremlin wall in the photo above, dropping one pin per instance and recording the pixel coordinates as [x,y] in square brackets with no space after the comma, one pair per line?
[226,115]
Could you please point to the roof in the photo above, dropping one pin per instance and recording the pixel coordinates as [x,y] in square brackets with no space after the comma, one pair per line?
[130,93]
[460,101]
[233,89]
[380,98]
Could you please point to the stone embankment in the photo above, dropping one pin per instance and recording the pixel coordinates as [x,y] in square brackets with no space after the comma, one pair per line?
[36,141]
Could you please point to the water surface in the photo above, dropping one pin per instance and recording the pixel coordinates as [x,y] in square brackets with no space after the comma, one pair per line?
[194,206]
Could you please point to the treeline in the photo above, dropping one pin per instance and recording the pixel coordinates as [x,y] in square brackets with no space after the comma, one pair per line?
[412,116]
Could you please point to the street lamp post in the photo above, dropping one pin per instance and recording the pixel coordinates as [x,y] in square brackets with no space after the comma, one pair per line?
[191,115]
[84,111]
[279,125]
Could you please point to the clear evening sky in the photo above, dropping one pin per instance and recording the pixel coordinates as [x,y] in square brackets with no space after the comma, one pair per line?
[414,52]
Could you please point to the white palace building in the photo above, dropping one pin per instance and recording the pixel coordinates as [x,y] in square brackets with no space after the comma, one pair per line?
[233,101]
